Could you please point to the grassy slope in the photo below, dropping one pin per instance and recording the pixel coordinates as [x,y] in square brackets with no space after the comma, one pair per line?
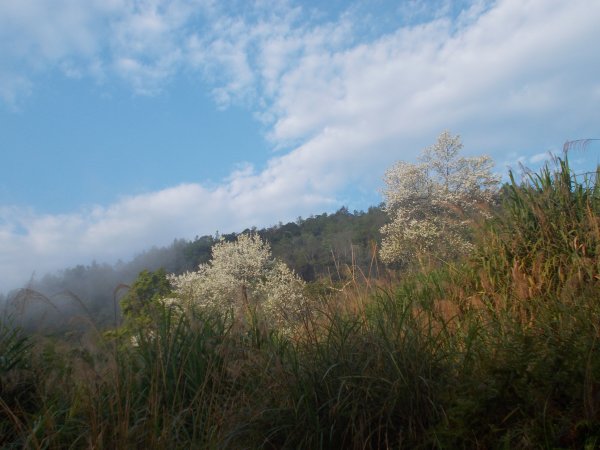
[500,351]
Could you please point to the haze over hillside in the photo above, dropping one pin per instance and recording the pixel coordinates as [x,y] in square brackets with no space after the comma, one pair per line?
[321,246]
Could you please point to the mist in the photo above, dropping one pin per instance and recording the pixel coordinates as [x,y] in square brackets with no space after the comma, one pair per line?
[87,295]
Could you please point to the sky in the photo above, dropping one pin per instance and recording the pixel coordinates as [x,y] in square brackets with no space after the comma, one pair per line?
[126,124]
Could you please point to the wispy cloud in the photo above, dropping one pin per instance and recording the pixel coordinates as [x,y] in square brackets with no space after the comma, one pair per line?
[339,102]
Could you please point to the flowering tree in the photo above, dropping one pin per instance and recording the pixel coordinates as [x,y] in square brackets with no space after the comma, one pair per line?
[243,274]
[432,203]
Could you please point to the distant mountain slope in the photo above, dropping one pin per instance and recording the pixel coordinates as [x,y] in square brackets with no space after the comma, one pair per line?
[318,246]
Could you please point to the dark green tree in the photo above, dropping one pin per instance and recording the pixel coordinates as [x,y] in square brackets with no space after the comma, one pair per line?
[144,293]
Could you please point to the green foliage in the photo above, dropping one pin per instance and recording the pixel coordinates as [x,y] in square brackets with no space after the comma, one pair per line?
[356,382]
[17,391]
[144,293]
[546,240]
[322,246]
[170,386]
[14,346]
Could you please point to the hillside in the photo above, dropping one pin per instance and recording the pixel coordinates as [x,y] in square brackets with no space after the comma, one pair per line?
[497,349]
[315,247]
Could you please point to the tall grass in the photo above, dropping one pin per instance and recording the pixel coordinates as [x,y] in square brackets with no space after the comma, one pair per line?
[546,241]
[497,351]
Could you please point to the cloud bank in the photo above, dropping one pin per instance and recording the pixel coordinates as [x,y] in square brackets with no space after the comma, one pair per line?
[340,98]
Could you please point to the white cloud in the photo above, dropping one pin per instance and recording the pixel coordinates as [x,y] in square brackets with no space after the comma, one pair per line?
[42,243]
[540,157]
[13,88]
[37,35]
[512,76]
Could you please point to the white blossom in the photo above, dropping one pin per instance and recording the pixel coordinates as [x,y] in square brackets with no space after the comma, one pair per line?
[244,274]
[432,203]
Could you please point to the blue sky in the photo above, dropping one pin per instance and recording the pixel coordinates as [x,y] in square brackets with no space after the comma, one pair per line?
[128,123]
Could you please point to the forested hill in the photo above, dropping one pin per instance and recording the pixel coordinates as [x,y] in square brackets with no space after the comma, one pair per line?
[322,245]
